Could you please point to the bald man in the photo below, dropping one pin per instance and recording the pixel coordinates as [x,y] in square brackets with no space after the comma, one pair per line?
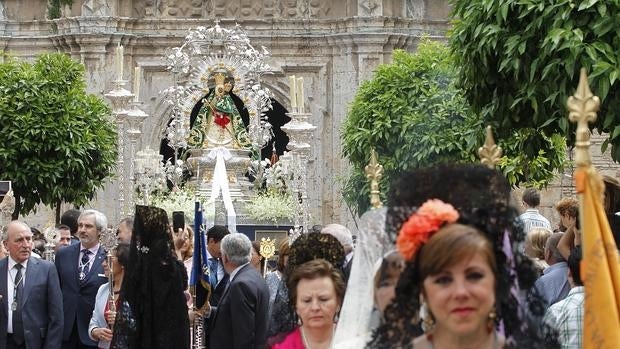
[31,313]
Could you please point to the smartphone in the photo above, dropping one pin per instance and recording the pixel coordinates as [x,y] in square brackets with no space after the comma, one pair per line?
[178,220]
[5,187]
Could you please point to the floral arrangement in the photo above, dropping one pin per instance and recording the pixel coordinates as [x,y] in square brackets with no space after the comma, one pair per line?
[272,206]
[178,199]
[421,225]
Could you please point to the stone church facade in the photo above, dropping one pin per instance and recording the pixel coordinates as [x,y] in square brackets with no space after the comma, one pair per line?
[333,44]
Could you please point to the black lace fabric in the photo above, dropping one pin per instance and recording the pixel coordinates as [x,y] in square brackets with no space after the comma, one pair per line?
[153,312]
[482,197]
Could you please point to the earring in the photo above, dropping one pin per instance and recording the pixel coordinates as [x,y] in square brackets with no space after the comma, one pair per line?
[336,316]
[299,321]
[428,321]
[492,318]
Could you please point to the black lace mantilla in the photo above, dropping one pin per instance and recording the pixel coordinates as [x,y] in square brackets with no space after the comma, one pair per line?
[482,198]
[153,312]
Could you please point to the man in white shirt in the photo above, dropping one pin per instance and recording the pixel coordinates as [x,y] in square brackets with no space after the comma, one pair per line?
[531,218]
[31,295]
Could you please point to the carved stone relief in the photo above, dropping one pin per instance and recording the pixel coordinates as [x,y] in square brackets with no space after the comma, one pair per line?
[370,8]
[96,8]
[2,11]
[245,9]
[416,9]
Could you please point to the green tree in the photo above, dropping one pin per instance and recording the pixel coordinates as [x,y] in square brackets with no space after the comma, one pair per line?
[57,142]
[413,115]
[520,59]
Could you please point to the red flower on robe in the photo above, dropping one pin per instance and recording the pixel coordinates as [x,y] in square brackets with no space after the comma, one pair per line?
[221,119]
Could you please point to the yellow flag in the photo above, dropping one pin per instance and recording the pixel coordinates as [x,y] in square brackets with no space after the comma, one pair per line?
[600,267]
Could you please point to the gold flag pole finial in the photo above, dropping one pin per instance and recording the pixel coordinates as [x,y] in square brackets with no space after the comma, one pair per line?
[582,107]
[489,153]
[374,172]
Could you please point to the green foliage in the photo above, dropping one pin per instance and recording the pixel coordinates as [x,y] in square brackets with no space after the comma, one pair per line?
[413,115]
[57,143]
[520,60]
[53,9]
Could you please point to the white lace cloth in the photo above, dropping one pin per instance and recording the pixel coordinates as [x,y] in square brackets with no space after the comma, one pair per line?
[356,317]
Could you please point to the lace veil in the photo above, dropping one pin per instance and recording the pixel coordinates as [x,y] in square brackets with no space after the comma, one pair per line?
[482,197]
[357,317]
[153,310]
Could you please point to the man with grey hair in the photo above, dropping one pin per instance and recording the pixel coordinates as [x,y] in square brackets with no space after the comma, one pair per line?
[81,274]
[553,285]
[344,236]
[245,300]
[32,316]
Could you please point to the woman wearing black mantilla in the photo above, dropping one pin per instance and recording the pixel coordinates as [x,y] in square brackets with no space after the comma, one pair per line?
[153,312]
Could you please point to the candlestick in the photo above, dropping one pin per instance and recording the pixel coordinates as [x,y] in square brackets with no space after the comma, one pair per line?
[300,94]
[119,61]
[292,91]
[136,83]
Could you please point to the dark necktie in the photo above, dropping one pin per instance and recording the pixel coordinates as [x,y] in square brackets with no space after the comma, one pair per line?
[84,262]
[18,292]
[213,272]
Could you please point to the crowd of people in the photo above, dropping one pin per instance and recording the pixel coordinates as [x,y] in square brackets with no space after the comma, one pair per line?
[457,267]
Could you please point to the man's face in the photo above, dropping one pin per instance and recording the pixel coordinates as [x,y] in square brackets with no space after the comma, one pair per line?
[19,241]
[87,231]
[64,237]
[124,233]
[214,248]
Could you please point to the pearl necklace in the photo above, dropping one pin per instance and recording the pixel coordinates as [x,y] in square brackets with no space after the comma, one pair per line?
[307,346]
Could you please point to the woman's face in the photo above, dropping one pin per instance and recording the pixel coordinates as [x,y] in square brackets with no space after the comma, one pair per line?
[116,266]
[255,260]
[385,289]
[567,220]
[385,292]
[317,302]
[462,296]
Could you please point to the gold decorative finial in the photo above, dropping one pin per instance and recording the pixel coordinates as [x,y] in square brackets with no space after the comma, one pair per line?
[582,107]
[267,250]
[374,172]
[489,153]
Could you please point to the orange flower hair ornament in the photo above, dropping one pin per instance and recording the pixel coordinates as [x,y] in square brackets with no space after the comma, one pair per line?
[427,220]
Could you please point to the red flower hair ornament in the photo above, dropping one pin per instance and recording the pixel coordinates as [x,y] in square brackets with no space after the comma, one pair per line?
[422,224]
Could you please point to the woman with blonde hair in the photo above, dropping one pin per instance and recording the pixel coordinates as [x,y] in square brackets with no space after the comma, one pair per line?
[535,247]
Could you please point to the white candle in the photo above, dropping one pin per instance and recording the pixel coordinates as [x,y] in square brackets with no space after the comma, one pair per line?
[119,61]
[137,76]
[300,94]
[292,92]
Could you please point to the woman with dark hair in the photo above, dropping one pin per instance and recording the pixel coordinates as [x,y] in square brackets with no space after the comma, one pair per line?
[385,280]
[316,289]
[102,321]
[153,309]
[465,274]
[257,261]
[273,278]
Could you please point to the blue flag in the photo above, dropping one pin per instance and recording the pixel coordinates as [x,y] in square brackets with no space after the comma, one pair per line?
[200,269]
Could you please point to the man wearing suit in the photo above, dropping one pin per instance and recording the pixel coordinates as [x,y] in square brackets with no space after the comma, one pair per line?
[30,308]
[218,277]
[240,320]
[81,274]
